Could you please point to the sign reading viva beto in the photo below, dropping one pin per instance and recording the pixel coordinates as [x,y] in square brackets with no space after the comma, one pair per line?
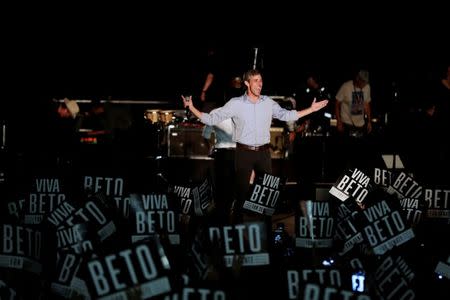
[141,270]
[354,184]
[93,211]
[315,226]
[247,240]
[46,196]
[404,186]
[384,227]
[183,193]
[195,200]
[154,213]
[264,195]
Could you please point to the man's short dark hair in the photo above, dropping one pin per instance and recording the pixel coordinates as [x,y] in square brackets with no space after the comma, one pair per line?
[251,73]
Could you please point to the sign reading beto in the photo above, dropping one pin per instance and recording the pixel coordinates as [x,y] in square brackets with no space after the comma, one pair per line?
[140,270]
[247,240]
[21,248]
[404,186]
[354,184]
[315,226]
[154,213]
[112,187]
[324,277]
[437,200]
[46,195]
[384,227]
[264,195]
[382,177]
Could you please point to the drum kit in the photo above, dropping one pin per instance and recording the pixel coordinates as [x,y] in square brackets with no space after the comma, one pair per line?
[161,121]
[160,117]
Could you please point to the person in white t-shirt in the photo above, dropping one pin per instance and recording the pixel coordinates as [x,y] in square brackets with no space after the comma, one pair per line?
[353,106]
[224,169]
[353,116]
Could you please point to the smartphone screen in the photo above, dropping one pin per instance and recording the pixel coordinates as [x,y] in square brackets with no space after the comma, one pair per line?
[358,282]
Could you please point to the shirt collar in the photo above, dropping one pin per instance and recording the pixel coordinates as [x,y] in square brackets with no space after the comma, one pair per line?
[260,99]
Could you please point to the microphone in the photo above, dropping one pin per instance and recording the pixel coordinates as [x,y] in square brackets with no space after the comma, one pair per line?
[187,111]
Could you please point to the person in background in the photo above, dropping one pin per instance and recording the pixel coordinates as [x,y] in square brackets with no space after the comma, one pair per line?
[440,98]
[308,137]
[65,129]
[353,106]
[354,120]
[223,153]
[211,94]
[252,115]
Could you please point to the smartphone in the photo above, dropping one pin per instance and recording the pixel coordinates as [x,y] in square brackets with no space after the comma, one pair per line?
[358,279]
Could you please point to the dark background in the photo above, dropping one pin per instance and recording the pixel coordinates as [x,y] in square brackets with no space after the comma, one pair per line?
[149,54]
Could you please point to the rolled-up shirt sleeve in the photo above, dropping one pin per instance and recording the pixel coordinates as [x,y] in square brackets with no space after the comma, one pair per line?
[283,114]
[218,115]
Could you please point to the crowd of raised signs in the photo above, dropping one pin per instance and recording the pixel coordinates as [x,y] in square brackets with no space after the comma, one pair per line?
[72,231]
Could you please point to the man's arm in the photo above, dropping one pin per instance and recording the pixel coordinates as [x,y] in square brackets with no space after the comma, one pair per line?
[315,106]
[368,111]
[188,103]
[337,111]
[208,81]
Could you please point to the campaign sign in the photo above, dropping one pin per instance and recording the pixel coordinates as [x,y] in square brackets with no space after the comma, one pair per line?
[443,268]
[314,226]
[111,187]
[21,248]
[76,237]
[413,210]
[140,271]
[346,229]
[202,196]
[437,200]
[313,291]
[245,242]
[353,184]
[7,292]
[207,291]
[199,262]
[45,196]
[183,193]
[324,277]
[154,213]
[382,177]
[93,211]
[66,283]
[384,227]
[393,278]
[265,194]
[404,186]
[16,207]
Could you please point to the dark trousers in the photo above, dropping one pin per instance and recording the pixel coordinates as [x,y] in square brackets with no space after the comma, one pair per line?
[245,162]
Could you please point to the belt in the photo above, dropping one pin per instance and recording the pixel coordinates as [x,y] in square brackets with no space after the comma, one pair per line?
[253,148]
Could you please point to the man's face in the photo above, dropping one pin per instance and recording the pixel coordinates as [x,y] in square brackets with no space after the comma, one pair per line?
[360,83]
[254,85]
